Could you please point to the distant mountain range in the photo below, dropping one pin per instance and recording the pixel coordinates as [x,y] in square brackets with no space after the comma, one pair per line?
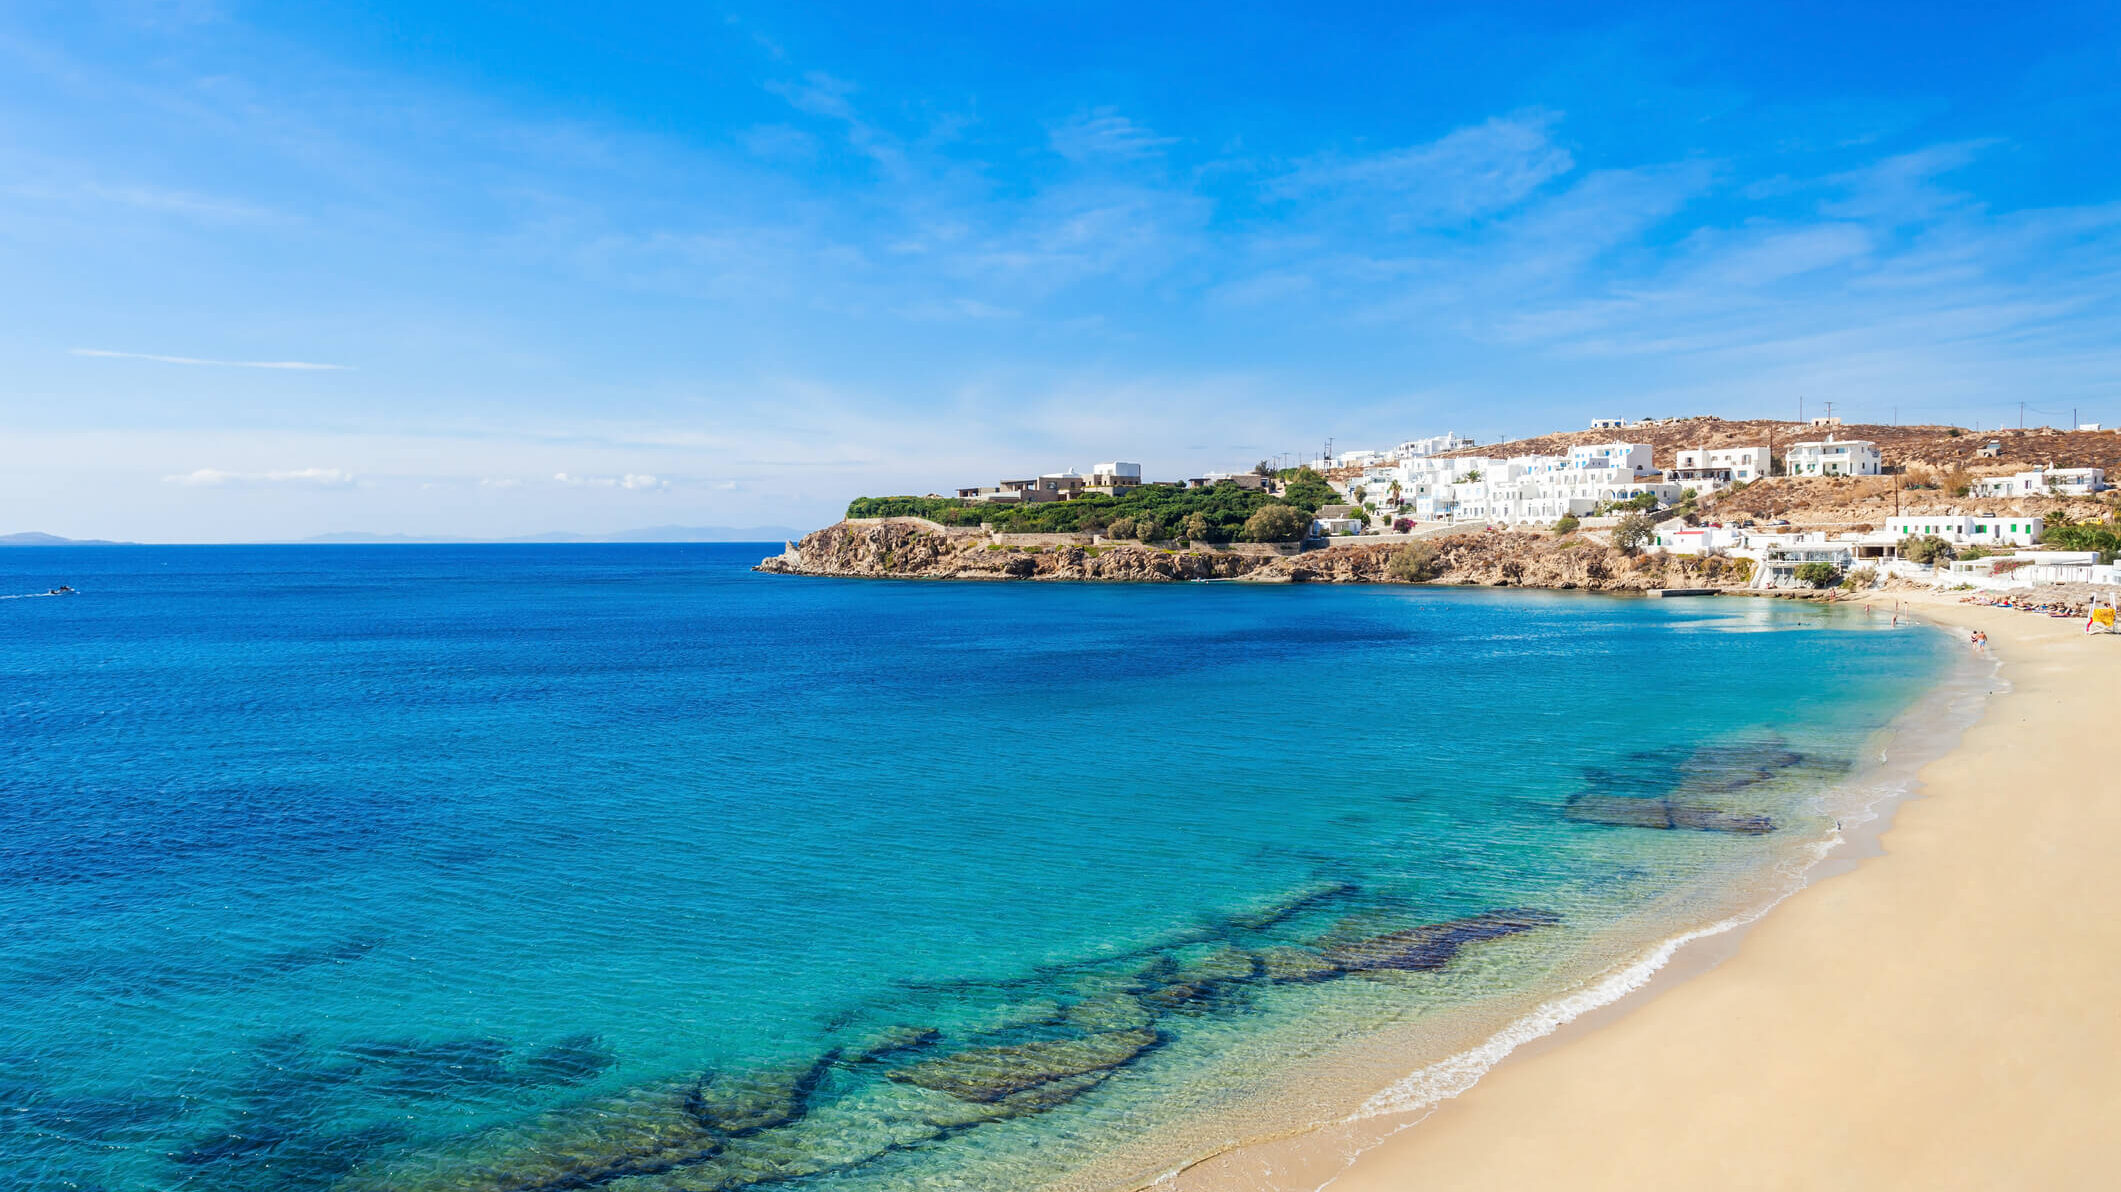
[644,534]
[32,538]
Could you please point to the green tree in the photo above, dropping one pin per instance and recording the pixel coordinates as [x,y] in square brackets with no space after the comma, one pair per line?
[1927,549]
[1413,563]
[1121,527]
[1569,523]
[1633,532]
[1307,490]
[1196,527]
[1817,575]
[1148,529]
[1276,523]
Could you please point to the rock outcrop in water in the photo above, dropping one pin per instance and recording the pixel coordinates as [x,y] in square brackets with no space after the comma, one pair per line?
[992,1073]
[1430,947]
[1627,811]
[895,1086]
[913,550]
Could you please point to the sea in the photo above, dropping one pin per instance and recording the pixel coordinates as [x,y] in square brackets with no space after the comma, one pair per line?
[527,868]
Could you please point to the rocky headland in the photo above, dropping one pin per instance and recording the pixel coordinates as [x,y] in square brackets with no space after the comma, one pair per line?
[910,549]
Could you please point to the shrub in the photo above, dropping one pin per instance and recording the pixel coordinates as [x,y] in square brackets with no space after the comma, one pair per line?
[1634,532]
[1817,575]
[1276,523]
[2082,536]
[1196,525]
[1148,529]
[1861,578]
[1929,549]
[1403,524]
[1121,527]
[1413,563]
[1569,523]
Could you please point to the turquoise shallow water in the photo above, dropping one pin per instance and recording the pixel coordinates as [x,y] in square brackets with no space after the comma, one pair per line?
[541,867]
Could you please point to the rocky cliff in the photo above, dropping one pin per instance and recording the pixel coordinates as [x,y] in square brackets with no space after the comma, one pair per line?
[1520,558]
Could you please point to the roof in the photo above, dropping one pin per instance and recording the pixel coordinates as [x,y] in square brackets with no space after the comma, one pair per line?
[1328,511]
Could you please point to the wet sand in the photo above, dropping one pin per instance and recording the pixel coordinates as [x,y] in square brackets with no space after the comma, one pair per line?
[1944,1015]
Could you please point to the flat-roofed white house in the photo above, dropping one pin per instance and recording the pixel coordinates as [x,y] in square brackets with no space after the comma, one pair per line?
[1115,474]
[1433,445]
[2042,482]
[1967,529]
[1337,519]
[1834,457]
[1707,469]
[1778,556]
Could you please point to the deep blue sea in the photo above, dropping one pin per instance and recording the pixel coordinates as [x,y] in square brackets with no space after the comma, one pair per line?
[541,867]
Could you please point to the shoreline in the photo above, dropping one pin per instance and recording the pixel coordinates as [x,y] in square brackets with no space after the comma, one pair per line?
[1924,732]
[1498,1125]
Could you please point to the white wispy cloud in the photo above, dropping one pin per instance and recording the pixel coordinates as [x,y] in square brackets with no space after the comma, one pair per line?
[1466,173]
[632,481]
[1104,133]
[304,477]
[294,365]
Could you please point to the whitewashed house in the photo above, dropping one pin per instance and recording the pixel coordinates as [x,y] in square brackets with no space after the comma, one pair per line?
[1707,469]
[1834,457]
[1966,530]
[1433,445]
[2041,482]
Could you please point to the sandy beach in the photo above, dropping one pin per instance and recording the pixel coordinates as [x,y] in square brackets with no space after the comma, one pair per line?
[1944,1015]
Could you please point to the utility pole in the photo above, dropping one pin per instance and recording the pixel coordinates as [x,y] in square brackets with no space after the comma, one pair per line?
[2021,415]
[1830,411]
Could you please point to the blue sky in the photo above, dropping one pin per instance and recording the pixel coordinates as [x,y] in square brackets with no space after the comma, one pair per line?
[518,267]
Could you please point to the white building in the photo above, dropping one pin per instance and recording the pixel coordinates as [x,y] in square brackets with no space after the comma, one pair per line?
[1433,445]
[1834,457]
[2028,568]
[1973,530]
[1707,469]
[1115,474]
[1608,423]
[2042,482]
[1522,490]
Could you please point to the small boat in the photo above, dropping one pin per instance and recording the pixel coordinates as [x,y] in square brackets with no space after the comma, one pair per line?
[62,590]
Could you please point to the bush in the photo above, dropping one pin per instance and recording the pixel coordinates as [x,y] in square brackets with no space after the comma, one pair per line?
[1568,524]
[1929,549]
[1197,526]
[1634,532]
[2081,536]
[1121,527]
[1817,575]
[1148,529]
[1413,563]
[1276,523]
[1403,524]
[1861,578]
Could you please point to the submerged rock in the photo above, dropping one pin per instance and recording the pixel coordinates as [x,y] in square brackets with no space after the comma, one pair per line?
[888,1041]
[1112,1012]
[1288,963]
[734,1106]
[641,1131]
[577,1059]
[1420,949]
[1292,904]
[1627,811]
[989,1074]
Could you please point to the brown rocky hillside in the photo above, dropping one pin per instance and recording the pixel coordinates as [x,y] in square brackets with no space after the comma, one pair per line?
[1900,445]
